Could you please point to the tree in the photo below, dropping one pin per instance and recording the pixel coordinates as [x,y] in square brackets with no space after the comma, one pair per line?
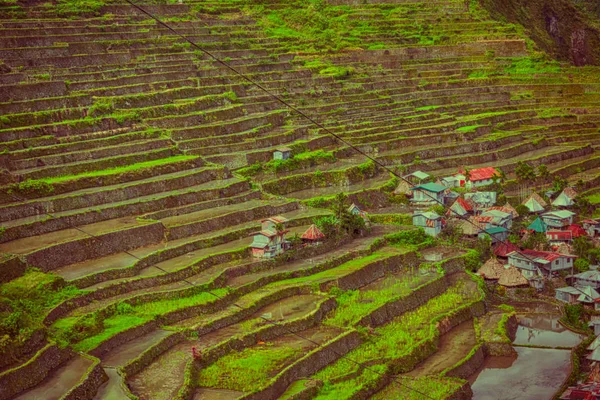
[536,241]
[467,174]
[582,265]
[329,225]
[543,172]
[559,183]
[524,172]
[522,210]
[581,246]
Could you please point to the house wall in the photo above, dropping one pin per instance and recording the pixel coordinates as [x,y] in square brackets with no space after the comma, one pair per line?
[557,223]
[561,263]
[586,282]
[482,183]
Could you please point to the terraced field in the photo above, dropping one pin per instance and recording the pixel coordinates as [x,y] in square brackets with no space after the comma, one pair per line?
[134,167]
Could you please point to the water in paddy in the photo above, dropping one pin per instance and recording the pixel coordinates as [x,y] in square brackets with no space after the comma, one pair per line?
[544,330]
[533,373]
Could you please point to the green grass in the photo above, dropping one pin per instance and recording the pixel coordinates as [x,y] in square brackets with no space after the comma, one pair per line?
[594,198]
[116,170]
[249,369]
[395,339]
[86,332]
[25,301]
[355,304]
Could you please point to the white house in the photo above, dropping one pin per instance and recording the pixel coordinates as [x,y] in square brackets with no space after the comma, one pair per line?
[269,241]
[533,262]
[587,278]
[495,218]
[560,219]
[586,295]
[430,221]
[478,177]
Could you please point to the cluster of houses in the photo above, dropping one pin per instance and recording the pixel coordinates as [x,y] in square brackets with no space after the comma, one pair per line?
[270,241]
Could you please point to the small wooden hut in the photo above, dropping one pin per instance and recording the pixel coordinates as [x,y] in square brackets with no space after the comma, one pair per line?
[512,277]
[492,269]
[312,236]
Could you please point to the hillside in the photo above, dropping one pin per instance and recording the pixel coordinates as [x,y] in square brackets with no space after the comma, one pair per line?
[134,167]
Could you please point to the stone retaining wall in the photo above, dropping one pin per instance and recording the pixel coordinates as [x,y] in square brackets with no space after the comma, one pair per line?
[88,386]
[87,248]
[11,267]
[35,370]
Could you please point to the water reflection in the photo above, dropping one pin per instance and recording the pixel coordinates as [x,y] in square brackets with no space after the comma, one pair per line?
[544,330]
[534,374]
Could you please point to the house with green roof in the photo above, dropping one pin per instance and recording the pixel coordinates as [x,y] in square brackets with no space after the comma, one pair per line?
[429,194]
[538,226]
[560,219]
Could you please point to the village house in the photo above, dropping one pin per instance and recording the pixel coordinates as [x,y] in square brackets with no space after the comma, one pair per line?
[449,181]
[585,295]
[535,203]
[481,200]
[592,227]
[430,221]
[428,194]
[535,263]
[460,208]
[557,237]
[478,177]
[512,277]
[566,198]
[417,177]
[586,278]
[495,218]
[491,269]
[538,226]
[507,208]
[558,219]
[355,210]
[502,250]
[312,236]
[496,234]
[270,240]
[282,153]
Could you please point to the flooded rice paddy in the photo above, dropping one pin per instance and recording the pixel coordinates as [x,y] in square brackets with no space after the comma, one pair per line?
[533,373]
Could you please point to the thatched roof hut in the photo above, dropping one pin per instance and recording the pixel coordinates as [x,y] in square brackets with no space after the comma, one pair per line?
[492,269]
[512,277]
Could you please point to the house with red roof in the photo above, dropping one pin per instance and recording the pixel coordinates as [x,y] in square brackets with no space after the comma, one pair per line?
[270,240]
[535,263]
[503,249]
[478,176]
[460,208]
[313,235]
[557,237]
[576,230]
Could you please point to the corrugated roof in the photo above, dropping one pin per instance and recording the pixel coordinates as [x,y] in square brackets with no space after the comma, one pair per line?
[430,187]
[481,174]
[538,226]
[313,233]
[559,214]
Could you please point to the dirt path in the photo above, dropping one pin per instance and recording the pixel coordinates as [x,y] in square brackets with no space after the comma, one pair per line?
[453,347]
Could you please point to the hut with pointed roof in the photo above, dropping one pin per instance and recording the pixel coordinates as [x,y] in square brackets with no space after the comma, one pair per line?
[491,270]
[312,236]
[566,198]
[535,203]
[512,277]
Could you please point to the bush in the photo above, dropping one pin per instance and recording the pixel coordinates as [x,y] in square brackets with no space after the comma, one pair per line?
[582,265]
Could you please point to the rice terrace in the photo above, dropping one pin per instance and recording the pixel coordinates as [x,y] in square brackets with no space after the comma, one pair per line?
[302,199]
